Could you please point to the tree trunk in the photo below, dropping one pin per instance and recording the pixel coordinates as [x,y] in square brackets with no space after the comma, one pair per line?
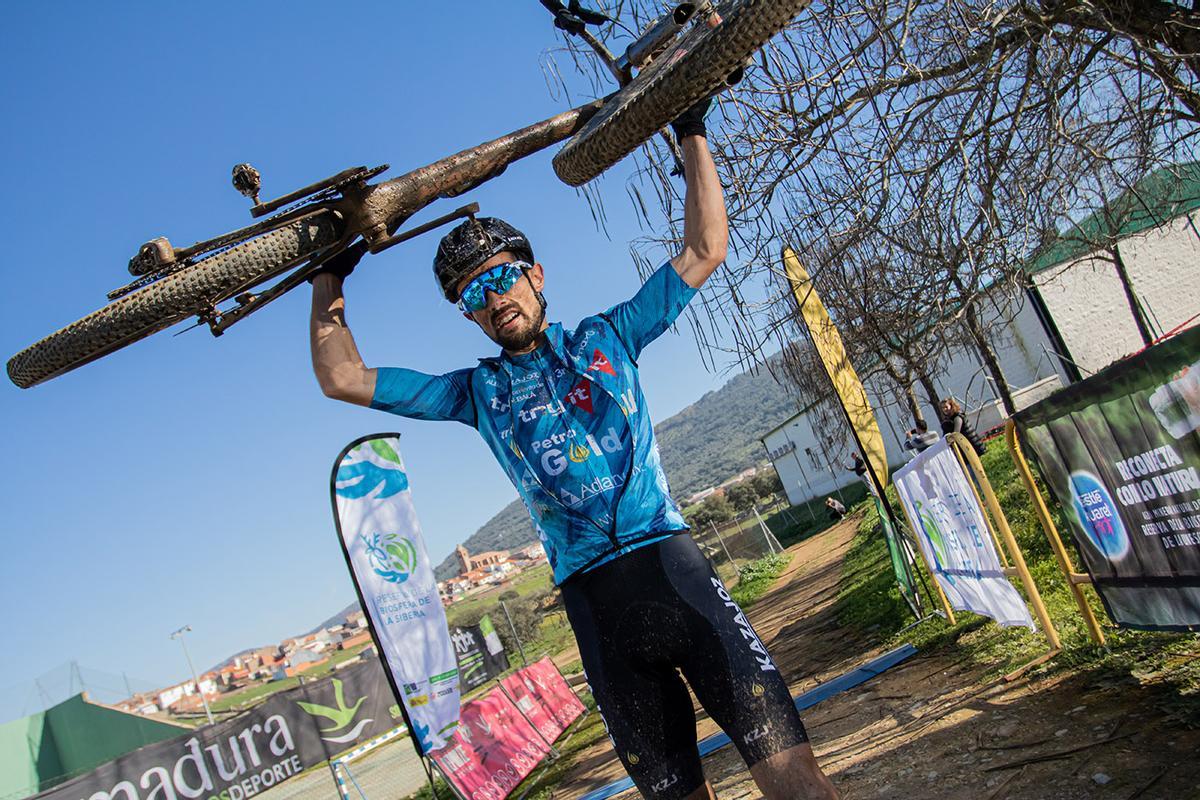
[1135,306]
[904,382]
[927,384]
[913,405]
[989,360]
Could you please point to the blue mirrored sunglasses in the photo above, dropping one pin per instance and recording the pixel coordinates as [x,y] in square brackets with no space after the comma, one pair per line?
[498,279]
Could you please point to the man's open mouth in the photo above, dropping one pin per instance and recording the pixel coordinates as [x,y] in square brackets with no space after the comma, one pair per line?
[505,319]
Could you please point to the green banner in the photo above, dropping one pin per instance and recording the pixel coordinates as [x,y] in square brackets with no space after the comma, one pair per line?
[899,566]
[1121,454]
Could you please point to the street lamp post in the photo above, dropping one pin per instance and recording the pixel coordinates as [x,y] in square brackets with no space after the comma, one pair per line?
[179,635]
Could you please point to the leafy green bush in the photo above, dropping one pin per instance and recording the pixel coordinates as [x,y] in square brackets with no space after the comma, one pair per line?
[766,483]
[757,576]
[742,496]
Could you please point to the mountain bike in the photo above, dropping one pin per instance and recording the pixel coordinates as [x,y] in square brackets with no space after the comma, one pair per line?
[689,53]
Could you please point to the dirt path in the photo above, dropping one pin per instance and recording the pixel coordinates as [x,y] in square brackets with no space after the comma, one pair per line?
[933,727]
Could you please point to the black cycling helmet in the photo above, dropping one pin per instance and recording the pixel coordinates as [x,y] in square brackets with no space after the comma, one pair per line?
[468,245]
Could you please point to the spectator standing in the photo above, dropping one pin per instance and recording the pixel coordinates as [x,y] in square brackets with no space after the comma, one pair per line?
[859,467]
[920,437]
[955,421]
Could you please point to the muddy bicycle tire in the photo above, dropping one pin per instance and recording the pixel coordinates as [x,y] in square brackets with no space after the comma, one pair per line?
[695,67]
[173,299]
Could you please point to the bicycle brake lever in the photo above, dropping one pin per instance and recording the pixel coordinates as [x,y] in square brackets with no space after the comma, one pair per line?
[573,18]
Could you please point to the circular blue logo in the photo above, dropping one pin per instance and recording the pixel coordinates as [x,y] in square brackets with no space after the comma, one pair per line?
[1098,516]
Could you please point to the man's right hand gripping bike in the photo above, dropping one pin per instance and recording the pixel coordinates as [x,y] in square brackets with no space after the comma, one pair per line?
[691,52]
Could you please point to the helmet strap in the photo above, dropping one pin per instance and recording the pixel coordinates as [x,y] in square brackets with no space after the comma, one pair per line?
[541,298]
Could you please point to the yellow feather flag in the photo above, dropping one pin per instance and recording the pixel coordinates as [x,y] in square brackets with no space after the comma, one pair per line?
[841,372]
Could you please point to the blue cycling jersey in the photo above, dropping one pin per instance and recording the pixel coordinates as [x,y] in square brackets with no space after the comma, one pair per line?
[568,424]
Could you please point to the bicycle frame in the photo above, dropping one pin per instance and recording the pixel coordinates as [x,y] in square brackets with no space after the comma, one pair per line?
[374,211]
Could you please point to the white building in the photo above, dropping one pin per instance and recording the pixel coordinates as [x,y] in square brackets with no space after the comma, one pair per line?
[1073,322]
[1160,248]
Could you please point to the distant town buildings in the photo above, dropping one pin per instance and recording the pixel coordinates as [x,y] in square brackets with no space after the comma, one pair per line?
[291,657]
[481,572]
[719,490]
[303,654]
[469,563]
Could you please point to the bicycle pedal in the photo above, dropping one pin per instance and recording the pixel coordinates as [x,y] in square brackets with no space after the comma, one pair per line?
[248,181]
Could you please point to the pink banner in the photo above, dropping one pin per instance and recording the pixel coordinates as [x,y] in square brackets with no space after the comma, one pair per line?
[526,694]
[495,746]
[550,689]
[492,750]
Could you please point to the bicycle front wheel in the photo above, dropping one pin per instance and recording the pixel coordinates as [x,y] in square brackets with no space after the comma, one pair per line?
[694,67]
[173,298]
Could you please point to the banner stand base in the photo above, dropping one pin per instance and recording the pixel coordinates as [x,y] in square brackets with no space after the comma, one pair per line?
[926,618]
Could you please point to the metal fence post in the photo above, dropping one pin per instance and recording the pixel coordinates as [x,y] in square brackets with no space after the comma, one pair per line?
[766,531]
[513,628]
[723,547]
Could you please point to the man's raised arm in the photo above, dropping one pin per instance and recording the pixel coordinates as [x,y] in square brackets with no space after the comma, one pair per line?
[338,366]
[705,224]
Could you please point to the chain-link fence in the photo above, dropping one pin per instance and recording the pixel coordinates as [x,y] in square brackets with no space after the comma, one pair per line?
[731,545]
[387,772]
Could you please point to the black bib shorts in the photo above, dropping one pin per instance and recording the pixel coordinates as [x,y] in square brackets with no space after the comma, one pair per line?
[644,618]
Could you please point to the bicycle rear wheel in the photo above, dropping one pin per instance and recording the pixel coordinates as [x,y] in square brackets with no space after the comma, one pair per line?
[173,298]
[694,67]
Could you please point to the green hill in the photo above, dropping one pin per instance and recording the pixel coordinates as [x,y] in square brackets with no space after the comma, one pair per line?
[705,443]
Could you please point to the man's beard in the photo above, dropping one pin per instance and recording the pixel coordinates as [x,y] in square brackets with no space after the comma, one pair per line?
[524,335]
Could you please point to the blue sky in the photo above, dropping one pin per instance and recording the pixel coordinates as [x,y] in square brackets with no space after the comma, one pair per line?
[185,479]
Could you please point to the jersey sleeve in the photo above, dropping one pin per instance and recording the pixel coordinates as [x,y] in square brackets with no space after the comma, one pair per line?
[409,393]
[642,319]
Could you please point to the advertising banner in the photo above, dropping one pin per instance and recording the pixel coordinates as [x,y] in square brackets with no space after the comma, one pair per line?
[1120,452]
[237,758]
[524,693]
[492,750]
[943,511]
[543,696]
[480,653]
[385,551]
[828,342]
[562,704]
[901,556]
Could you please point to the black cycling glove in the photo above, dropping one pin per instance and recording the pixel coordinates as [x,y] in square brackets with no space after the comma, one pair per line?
[691,122]
[343,263]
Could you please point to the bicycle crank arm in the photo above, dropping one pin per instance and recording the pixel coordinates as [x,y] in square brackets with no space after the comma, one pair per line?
[249,302]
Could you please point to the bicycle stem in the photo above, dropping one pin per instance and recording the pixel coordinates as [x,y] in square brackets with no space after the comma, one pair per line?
[377,210]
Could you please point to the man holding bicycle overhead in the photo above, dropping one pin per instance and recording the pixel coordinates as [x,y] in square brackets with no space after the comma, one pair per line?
[563,412]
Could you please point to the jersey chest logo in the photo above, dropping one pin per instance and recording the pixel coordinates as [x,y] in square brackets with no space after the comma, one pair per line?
[581,396]
[600,363]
